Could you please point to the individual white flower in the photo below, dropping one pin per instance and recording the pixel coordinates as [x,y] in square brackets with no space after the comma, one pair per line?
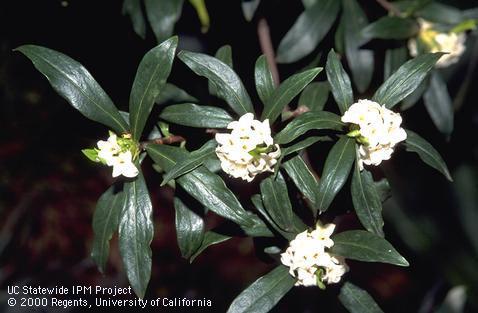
[431,40]
[376,128]
[308,260]
[123,165]
[108,149]
[248,149]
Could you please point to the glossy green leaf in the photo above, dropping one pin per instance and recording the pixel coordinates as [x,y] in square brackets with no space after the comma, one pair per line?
[264,81]
[210,238]
[391,27]
[249,7]
[365,246]
[302,177]
[360,61]
[308,30]
[228,84]
[193,115]
[426,152]
[74,83]
[357,300]
[263,294]
[438,104]
[162,16]
[189,229]
[336,171]
[135,234]
[308,121]
[277,203]
[194,159]
[416,95]
[174,94]
[405,80]
[150,78]
[441,13]
[303,144]
[366,201]
[287,91]
[223,54]
[259,205]
[133,9]
[314,96]
[339,37]
[105,224]
[394,58]
[339,82]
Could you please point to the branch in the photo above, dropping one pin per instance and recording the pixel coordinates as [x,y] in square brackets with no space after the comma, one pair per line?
[389,7]
[266,46]
[162,141]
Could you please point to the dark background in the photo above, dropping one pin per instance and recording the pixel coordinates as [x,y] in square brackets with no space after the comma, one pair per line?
[48,189]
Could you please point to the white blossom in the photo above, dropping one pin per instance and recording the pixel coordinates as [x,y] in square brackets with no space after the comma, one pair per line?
[377,130]
[123,165]
[431,40]
[117,153]
[308,260]
[249,149]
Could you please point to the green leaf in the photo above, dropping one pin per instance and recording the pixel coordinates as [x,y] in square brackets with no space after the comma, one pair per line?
[315,96]
[189,229]
[394,58]
[133,9]
[391,27]
[74,83]
[302,177]
[162,16]
[366,201]
[210,238]
[308,30]
[307,121]
[150,78]
[91,154]
[303,144]
[416,95]
[426,152]
[438,104]
[357,300]
[364,246]
[202,13]
[405,80]
[264,81]
[441,13]
[172,93]
[360,61]
[259,205]
[105,223]
[195,159]
[287,91]
[135,234]
[228,84]
[263,294]
[223,54]
[206,187]
[336,170]
[277,203]
[193,115]
[249,7]
[339,37]
[339,82]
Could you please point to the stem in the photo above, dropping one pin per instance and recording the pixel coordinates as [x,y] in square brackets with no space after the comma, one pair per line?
[267,49]
[162,141]
[389,7]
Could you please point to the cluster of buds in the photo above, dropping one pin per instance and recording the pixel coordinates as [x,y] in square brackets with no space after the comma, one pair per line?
[430,39]
[249,149]
[377,130]
[119,153]
[308,260]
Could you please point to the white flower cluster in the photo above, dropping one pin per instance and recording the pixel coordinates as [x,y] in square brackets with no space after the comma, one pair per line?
[118,155]
[309,262]
[249,149]
[376,128]
[431,40]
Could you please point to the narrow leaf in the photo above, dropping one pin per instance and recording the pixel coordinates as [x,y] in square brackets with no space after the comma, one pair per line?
[364,246]
[405,80]
[133,9]
[135,235]
[210,238]
[357,300]
[249,7]
[193,115]
[302,177]
[174,94]
[391,27]
[189,229]
[308,121]
[438,104]
[336,171]
[303,144]
[264,81]
[263,294]
[308,30]
[259,205]
[228,84]
[315,96]
[223,54]
[441,13]
[162,16]
[287,91]
[150,78]
[394,58]
[426,152]
[339,82]
[74,83]
[105,224]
